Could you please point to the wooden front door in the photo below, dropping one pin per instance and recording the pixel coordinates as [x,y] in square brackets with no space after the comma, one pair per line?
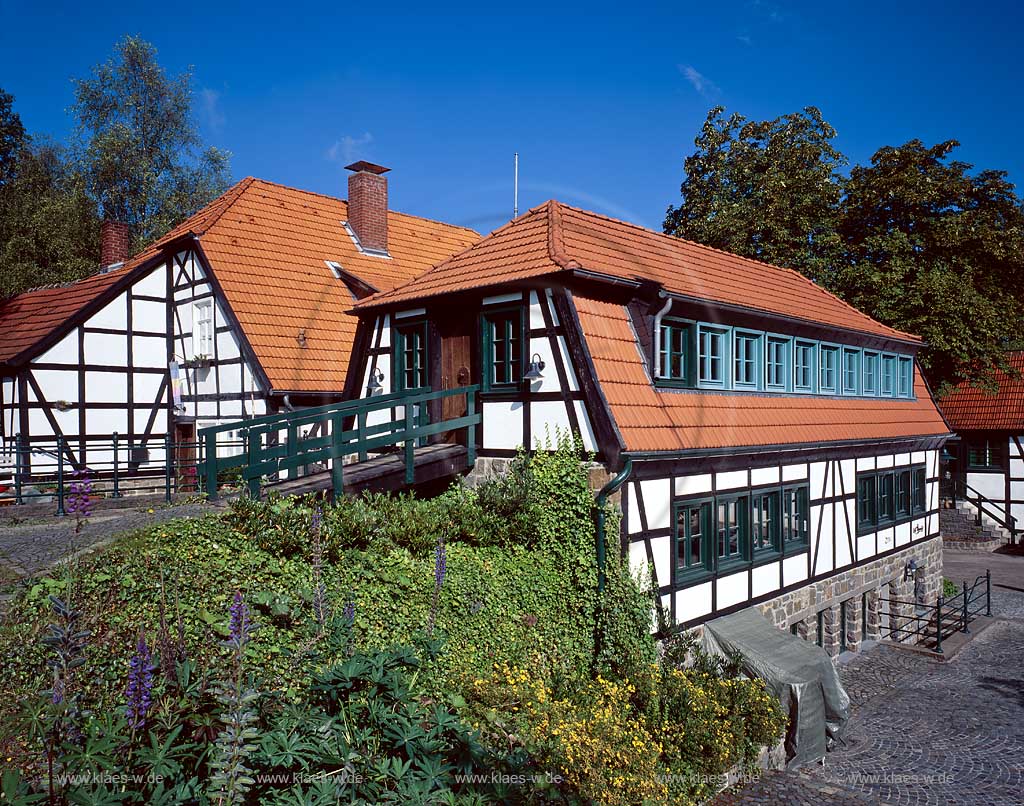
[455,329]
[185,457]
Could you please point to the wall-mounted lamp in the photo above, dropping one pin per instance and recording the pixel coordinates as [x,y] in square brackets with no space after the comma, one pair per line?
[910,570]
[534,373]
[376,384]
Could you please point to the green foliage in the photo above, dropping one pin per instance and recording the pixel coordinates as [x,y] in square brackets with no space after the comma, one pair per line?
[140,149]
[915,239]
[950,588]
[13,138]
[936,251]
[49,231]
[764,189]
[355,700]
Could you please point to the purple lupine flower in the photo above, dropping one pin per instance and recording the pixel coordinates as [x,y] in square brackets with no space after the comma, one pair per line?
[57,693]
[239,624]
[318,517]
[349,612]
[140,684]
[440,563]
[80,497]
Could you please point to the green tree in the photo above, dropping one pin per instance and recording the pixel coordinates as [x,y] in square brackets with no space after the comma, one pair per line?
[13,138]
[49,231]
[934,250]
[139,145]
[764,189]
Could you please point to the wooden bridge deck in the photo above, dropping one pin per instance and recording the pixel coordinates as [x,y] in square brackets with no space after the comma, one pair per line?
[383,473]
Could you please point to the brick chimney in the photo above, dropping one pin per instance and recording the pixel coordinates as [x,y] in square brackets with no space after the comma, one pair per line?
[368,205]
[113,243]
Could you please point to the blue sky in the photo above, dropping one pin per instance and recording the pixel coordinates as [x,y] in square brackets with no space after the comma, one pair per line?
[602,102]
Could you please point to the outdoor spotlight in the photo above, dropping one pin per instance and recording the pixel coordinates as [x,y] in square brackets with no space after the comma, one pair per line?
[534,373]
[376,384]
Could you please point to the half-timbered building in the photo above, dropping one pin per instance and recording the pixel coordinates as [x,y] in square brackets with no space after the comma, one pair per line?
[778,447]
[985,462]
[238,312]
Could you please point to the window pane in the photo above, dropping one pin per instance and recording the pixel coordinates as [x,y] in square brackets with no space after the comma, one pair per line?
[870,373]
[827,379]
[903,493]
[850,360]
[906,373]
[919,489]
[776,369]
[866,500]
[885,497]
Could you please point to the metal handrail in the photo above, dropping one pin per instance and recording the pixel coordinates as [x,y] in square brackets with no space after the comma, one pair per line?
[945,617]
[1004,518]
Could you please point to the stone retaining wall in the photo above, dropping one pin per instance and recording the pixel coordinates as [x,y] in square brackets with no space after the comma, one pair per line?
[878,580]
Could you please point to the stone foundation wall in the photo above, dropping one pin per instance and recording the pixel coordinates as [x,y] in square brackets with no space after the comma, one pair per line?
[880,580]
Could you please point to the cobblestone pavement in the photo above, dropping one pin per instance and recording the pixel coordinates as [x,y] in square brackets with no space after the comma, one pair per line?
[789,788]
[38,540]
[923,731]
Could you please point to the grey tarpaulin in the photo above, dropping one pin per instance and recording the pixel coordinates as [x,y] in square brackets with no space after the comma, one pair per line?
[796,671]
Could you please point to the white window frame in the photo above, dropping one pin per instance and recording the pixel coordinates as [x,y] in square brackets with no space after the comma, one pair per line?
[202,328]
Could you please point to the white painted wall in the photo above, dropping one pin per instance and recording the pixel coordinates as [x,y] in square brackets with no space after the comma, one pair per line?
[834,543]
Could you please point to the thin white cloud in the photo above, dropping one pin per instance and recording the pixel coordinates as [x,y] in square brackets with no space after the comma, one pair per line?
[704,85]
[744,38]
[348,148]
[211,110]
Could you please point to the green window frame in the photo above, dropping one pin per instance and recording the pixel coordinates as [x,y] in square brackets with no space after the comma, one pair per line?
[889,497]
[828,376]
[906,376]
[902,493]
[765,524]
[777,362]
[410,358]
[867,502]
[851,371]
[746,359]
[984,453]
[503,339]
[712,355]
[869,383]
[804,366]
[692,532]
[796,525]
[732,529]
[676,346]
[886,498]
[888,388]
[918,494]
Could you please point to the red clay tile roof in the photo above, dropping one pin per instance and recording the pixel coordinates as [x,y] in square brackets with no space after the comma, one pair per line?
[267,244]
[968,408]
[556,238]
[650,419]
[28,318]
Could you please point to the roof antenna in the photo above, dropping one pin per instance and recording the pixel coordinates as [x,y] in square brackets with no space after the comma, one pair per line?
[515,186]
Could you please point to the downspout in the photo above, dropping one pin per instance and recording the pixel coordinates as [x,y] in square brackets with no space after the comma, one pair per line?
[599,501]
[657,335]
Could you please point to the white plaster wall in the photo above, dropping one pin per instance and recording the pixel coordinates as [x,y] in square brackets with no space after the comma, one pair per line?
[503,425]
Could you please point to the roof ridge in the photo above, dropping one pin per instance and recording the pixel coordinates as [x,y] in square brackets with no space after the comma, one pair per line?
[345,202]
[226,204]
[383,296]
[715,249]
[556,244]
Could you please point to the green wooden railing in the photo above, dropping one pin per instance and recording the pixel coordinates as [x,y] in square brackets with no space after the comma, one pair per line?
[347,431]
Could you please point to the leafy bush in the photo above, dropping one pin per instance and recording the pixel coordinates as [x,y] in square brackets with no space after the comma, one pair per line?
[329,680]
